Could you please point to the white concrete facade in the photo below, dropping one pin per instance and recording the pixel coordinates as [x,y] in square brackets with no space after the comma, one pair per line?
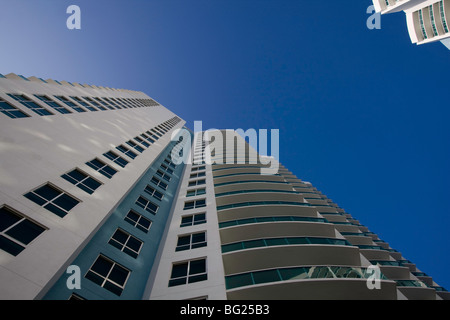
[39,149]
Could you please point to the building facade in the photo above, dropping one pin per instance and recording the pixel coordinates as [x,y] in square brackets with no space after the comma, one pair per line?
[427,20]
[106,195]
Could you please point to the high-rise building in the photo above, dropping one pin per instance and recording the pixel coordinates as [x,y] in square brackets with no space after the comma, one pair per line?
[427,20]
[95,203]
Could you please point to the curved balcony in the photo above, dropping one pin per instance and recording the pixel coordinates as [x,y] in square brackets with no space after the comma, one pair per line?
[303,283]
[237,170]
[247,177]
[257,196]
[289,255]
[247,186]
[261,208]
[416,290]
[254,228]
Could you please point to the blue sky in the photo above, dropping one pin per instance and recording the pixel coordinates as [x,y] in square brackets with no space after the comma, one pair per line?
[363,114]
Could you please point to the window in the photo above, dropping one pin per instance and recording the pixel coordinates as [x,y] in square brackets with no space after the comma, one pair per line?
[138,221]
[195,204]
[11,111]
[116,158]
[84,104]
[108,274]
[146,137]
[126,151]
[16,231]
[171,164]
[163,175]
[193,219]
[147,205]
[159,183]
[102,168]
[153,192]
[52,104]
[197,175]
[196,183]
[52,199]
[126,243]
[30,104]
[188,272]
[155,137]
[195,192]
[191,241]
[104,103]
[135,146]
[112,103]
[198,168]
[82,181]
[94,103]
[141,141]
[166,168]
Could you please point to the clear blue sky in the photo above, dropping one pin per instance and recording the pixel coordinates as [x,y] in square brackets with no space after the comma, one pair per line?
[363,114]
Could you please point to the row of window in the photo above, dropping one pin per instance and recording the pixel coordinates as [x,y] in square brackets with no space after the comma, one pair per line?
[45,105]
[16,231]
[194,270]
[110,274]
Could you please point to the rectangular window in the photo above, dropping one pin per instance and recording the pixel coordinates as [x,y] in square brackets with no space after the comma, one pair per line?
[16,231]
[193,219]
[91,101]
[52,104]
[108,274]
[138,221]
[146,137]
[103,103]
[53,199]
[147,205]
[11,111]
[141,141]
[113,103]
[188,272]
[198,168]
[196,182]
[159,183]
[163,175]
[116,158]
[197,175]
[195,192]
[166,168]
[27,102]
[154,193]
[195,204]
[126,151]
[135,146]
[126,243]
[102,168]
[84,104]
[82,181]
[191,241]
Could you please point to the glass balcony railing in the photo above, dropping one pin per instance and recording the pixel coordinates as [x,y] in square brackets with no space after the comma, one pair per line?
[296,273]
[411,283]
[271,242]
[269,219]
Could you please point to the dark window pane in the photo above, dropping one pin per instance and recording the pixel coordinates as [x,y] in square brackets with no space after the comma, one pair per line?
[66,202]
[26,231]
[134,244]
[179,270]
[197,266]
[55,210]
[47,192]
[7,218]
[118,275]
[10,246]
[102,266]
[120,236]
